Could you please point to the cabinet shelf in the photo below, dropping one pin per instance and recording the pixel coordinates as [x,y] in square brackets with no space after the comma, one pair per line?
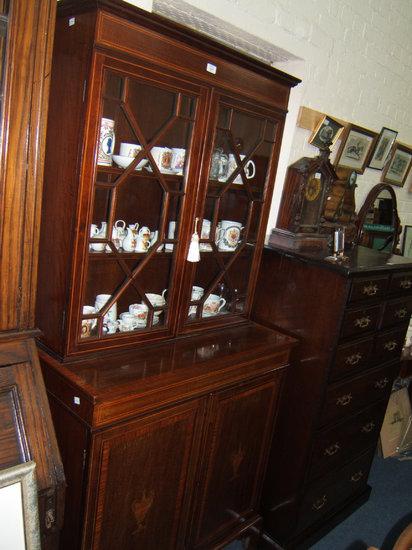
[96,256]
[215,188]
[136,173]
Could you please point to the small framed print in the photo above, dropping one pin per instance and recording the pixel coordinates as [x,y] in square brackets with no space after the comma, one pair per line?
[407,241]
[326,132]
[354,151]
[397,168]
[382,148]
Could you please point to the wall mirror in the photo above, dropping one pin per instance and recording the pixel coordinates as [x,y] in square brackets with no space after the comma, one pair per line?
[378,223]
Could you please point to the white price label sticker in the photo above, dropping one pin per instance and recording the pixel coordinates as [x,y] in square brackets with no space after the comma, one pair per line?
[211,68]
[318,175]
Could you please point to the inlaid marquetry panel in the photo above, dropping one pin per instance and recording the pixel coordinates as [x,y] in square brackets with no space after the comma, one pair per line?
[242,422]
[142,479]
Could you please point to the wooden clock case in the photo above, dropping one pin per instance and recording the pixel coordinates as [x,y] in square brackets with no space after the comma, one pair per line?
[315,201]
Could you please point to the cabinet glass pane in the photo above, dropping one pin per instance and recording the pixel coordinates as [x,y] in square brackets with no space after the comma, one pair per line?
[240,159]
[141,161]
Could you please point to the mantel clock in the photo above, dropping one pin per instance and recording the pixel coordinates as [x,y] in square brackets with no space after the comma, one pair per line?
[315,202]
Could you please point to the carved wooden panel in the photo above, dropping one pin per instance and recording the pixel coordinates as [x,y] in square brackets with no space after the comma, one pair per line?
[141,472]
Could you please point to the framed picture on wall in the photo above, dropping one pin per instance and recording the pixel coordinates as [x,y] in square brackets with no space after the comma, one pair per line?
[382,148]
[397,168]
[407,241]
[354,151]
[327,131]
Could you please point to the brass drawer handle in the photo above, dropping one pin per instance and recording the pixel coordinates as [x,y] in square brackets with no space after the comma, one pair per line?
[401,313]
[362,322]
[370,289]
[344,400]
[367,428]
[380,384]
[353,359]
[332,450]
[357,476]
[391,345]
[406,283]
[319,503]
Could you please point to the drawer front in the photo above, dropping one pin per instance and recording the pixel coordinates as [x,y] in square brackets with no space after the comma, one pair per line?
[336,445]
[401,282]
[351,358]
[388,344]
[360,320]
[346,398]
[328,493]
[375,287]
[397,311]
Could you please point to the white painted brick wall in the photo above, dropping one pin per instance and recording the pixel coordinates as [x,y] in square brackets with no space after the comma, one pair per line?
[356,65]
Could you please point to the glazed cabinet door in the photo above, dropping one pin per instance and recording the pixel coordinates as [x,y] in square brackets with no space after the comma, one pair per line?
[240,428]
[234,200]
[140,481]
[139,173]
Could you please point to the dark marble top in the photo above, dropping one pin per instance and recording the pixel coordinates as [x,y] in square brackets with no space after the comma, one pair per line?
[360,260]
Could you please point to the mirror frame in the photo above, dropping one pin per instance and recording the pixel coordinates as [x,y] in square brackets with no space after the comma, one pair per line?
[369,201]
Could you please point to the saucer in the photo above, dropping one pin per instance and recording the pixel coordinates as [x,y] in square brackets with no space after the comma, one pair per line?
[165,171]
[123,162]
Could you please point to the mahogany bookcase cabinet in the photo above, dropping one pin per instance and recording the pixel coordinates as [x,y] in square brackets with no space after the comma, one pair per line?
[163,392]
[351,321]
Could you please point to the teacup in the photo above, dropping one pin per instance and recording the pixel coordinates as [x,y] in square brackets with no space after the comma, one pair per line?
[197,293]
[228,235]
[249,169]
[157,300]
[101,301]
[140,312]
[127,316]
[213,305]
[127,322]
[178,160]
[127,325]
[163,157]
[130,150]
[170,235]
[110,327]
[205,234]
[88,324]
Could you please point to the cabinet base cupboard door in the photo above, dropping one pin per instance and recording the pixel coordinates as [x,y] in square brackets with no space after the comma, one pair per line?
[141,472]
[241,421]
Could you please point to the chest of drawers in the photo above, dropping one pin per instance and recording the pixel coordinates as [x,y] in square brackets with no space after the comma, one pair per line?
[351,321]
